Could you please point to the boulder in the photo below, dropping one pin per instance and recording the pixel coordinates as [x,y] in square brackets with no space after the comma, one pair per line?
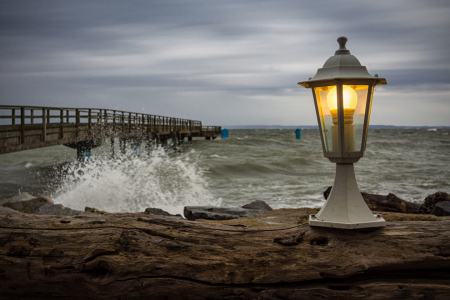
[27,203]
[225,213]
[59,210]
[442,209]
[259,205]
[94,210]
[8,209]
[293,216]
[430,201]
[160,212]
[389,203]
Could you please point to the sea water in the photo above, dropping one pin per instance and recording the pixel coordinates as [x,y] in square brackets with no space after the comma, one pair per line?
[268,165]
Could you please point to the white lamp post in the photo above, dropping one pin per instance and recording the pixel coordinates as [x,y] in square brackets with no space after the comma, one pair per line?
[342,92]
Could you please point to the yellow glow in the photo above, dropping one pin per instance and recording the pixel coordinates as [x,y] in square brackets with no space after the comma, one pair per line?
[350,98]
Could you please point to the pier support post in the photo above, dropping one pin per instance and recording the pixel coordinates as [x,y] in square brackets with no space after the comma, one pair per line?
[123,145]
[84,148]
[180,139]
[175,140]
[136,146]
[190,138]
[83,155]
[163,142]
[112,148]
[149,143]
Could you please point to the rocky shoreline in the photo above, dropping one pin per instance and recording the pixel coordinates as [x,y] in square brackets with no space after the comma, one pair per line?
[437,204]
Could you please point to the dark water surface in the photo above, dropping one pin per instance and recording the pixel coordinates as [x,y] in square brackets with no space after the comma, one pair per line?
[269,165]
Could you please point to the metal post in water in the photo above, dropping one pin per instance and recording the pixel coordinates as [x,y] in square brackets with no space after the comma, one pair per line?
[298,134]
[224,133]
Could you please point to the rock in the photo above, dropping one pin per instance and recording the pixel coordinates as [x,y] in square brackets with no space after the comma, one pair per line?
[442,209]
[225,213]
[27,203]
[430,201]
[160,212]
[156,211]
[8,209]
[259,205]
[293,216]
[59,210]
[94,210]
[214,213]
[389,203]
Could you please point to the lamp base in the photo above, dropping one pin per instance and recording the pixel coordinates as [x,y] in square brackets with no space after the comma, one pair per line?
[345,207]
[378,222]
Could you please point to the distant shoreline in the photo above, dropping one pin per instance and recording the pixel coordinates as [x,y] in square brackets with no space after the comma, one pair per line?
[316,127]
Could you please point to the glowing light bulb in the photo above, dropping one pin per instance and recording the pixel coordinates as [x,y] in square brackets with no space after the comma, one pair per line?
[350,100]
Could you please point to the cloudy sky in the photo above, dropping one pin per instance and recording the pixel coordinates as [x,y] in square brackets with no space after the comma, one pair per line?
[223,62]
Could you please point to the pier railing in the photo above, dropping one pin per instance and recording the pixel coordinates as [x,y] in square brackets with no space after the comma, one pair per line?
[27,127]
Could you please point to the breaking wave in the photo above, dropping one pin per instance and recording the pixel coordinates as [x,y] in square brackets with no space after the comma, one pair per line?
[131,183]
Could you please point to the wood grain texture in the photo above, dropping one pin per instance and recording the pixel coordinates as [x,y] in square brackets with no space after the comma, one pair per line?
[141,256]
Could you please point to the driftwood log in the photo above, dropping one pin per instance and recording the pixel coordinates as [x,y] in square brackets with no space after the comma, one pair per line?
[141,256]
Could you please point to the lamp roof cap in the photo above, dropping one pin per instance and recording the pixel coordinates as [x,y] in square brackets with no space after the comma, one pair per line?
[342,65]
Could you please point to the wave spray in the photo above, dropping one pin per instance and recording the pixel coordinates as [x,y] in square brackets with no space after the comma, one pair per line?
[132,183]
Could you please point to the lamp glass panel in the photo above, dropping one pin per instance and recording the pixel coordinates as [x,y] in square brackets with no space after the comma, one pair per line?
[354,101]
[368,118]
[325,116]
[358,117]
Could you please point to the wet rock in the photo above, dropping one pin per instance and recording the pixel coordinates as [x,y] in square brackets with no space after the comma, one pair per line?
[225,213]
[26,203]
[430,201]
[259,205]
[8,209]
[160,212]
[389,203]
[59,210]
[442,209]
[293,216]
[94,210]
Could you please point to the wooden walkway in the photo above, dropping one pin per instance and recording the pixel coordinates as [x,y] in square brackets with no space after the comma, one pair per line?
[31,127]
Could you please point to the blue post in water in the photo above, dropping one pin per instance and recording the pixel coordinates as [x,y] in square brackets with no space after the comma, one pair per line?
[224,133]
[298,134]
[84,155]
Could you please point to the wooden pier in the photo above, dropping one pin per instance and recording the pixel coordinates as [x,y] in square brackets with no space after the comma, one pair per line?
[31,127]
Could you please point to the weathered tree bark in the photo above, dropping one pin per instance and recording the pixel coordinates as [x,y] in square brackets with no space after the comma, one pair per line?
[141,256]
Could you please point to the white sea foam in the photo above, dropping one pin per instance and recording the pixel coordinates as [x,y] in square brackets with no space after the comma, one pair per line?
[131,184]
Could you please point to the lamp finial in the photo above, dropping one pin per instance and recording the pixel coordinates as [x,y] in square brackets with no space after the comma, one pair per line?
[342,40]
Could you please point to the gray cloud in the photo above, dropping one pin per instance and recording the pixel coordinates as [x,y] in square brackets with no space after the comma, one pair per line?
[224,62]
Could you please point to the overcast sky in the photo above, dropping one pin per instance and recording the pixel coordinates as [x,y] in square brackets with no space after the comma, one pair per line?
[223,62]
